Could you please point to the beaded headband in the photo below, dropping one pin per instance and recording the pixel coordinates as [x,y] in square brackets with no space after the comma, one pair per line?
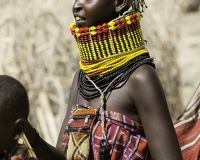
[120,36]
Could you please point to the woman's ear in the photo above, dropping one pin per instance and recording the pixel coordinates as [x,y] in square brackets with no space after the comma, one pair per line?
[121,5]
[19,128]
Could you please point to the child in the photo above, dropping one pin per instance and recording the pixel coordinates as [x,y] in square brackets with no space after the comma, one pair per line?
[14,110]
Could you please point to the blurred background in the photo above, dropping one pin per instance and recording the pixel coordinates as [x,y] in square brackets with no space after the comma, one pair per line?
[36,48]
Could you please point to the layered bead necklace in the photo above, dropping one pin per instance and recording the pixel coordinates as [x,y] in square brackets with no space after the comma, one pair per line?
[108,50]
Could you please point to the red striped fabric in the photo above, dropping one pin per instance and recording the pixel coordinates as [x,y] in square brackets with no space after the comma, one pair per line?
[187,128]
[125,138]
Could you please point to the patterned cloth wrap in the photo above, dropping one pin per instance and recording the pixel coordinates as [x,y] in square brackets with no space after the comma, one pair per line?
[77,135]
[187,128]
[20,152]
[125,139]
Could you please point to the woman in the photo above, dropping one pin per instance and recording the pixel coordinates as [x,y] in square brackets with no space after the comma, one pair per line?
[117,78]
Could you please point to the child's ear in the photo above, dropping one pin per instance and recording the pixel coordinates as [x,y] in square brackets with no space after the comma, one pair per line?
[121,5]
[19,128]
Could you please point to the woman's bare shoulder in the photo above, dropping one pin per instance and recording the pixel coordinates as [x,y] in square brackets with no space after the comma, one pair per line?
[150,102]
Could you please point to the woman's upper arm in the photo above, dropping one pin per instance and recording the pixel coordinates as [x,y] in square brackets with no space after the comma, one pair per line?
[71,101]
[150,101]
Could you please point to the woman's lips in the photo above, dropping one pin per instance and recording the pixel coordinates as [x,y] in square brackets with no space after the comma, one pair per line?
[79,18]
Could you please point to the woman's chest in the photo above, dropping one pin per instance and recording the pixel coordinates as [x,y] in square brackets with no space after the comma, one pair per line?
[118,100]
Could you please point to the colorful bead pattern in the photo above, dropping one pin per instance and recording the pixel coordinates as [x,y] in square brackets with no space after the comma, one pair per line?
[88,91]
[121,35]
[108,65]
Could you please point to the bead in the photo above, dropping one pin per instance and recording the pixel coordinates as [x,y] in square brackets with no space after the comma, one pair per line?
[99,31]
[86,29]
[76,30]
[112,28]
[72,24]
[127,18]
[99,27]
[118,26]
[93,32]
[78,34]
[106,30]
[122,20]
[85,34]
[133,21]
[133,16]
[138,16]
[81,30]
[128,22]
[93,28]
[72,29]
[111,23]
[105,25]
[123,24]
[118,22]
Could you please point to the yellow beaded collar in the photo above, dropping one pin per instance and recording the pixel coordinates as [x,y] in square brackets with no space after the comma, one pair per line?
[121,36]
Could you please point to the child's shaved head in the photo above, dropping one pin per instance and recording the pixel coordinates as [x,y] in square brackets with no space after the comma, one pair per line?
[13,98]
[14,109]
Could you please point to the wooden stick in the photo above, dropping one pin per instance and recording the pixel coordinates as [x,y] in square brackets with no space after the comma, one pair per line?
[26,142]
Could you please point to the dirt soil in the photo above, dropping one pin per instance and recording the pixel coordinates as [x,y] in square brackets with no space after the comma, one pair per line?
[189,54]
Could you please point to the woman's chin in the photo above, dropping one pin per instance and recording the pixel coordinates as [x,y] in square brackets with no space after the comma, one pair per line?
[82,24]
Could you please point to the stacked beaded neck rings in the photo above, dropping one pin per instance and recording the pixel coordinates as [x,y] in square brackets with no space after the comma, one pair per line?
[120,36]
[109,50]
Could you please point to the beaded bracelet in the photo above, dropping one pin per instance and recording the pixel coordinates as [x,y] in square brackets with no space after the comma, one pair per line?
[37,138]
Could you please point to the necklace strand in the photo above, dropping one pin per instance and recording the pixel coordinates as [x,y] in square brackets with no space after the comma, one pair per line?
[89,92]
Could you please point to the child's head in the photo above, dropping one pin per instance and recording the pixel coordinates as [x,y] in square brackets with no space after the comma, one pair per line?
[14,109]
[89,13]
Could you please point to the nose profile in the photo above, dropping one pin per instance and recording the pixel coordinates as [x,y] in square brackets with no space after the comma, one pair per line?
[77,6]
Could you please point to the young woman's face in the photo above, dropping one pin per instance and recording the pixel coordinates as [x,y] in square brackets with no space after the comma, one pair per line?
[89,13]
